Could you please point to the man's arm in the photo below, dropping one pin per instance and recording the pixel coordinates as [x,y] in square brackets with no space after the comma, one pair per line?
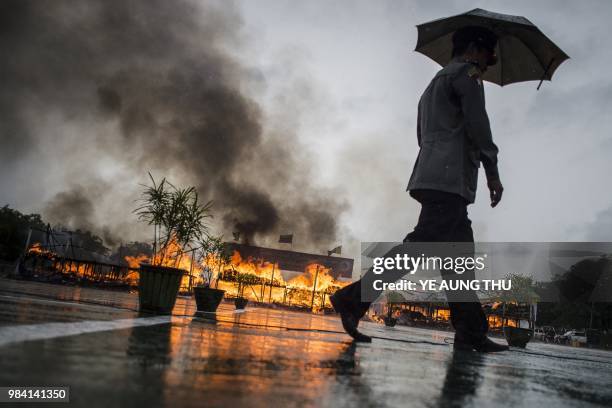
[477,124]
[478,128]
[419,124]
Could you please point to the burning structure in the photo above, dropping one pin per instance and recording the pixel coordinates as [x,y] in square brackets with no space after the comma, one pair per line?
[284,277]
[418,308]
[266,275]
[263,275]
[41,262]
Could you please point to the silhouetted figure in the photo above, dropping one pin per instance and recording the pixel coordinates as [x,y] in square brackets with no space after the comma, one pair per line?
[454,137]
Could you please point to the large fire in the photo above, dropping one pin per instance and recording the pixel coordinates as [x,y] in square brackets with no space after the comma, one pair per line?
[256,279]
[310,289]
[41,259]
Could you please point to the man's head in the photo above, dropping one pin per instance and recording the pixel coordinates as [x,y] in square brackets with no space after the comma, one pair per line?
[476,44]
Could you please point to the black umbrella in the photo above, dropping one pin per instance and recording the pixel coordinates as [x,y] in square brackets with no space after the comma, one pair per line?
[524,52]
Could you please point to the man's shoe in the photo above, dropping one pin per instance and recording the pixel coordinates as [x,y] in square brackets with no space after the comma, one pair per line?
[359,337]
[486,345]
[489,346]
[349,319]
[462,346]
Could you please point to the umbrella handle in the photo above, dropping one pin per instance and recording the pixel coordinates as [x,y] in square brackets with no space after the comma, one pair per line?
[544,74]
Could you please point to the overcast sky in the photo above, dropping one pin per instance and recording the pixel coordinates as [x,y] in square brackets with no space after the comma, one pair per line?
[555,144]
[343,76]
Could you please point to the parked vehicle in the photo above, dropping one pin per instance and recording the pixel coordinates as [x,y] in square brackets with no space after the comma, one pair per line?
[574,337]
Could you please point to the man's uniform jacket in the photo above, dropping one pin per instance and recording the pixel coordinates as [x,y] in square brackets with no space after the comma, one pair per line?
[454,134]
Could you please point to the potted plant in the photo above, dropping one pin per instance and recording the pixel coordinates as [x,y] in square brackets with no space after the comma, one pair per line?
[241,302]
[522,292]
[179,220]
[212,250]
[243,280]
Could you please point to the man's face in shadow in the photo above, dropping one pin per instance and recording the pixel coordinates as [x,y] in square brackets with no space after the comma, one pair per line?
[482,56]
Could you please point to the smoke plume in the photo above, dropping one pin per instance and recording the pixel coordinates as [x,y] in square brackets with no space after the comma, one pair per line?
[97,93]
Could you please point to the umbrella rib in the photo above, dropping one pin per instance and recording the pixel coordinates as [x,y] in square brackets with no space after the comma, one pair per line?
[545,72]
[531,51]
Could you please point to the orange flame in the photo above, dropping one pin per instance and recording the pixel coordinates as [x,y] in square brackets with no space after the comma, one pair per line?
[38,249]
[79,268]
[272,287]
[135,261]
[267,284]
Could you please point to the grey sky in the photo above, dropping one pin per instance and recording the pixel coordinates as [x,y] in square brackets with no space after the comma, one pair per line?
[342,76]
[555,143]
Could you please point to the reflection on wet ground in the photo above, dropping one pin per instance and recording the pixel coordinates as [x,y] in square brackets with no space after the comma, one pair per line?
[266,357]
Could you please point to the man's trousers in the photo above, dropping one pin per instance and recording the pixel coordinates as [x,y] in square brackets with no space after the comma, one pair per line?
[443,218]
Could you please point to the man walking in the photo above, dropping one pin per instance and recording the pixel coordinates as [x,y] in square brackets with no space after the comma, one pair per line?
[454,137]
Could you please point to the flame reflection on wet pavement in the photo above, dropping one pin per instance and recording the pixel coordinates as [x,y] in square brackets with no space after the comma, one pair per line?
[267,357]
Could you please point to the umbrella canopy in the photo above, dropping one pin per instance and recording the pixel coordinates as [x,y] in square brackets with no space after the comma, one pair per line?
[524,52]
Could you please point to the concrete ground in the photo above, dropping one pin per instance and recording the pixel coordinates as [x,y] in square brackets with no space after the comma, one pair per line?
[95,342]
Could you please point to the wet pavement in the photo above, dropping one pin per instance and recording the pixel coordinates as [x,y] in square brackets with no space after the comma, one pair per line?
[95,342]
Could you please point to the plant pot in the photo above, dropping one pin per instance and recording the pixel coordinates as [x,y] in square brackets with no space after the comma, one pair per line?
[240,302]
[390,321]
[517,337]
[158,287]
[207,299]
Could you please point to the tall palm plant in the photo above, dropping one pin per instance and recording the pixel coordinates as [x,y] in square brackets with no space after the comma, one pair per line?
[176,214]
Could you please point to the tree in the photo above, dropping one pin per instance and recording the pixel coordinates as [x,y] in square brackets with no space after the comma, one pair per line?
[14,228]
[584,296]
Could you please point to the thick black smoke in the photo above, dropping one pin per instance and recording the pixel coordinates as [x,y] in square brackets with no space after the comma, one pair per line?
[155,82]
[73,207]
